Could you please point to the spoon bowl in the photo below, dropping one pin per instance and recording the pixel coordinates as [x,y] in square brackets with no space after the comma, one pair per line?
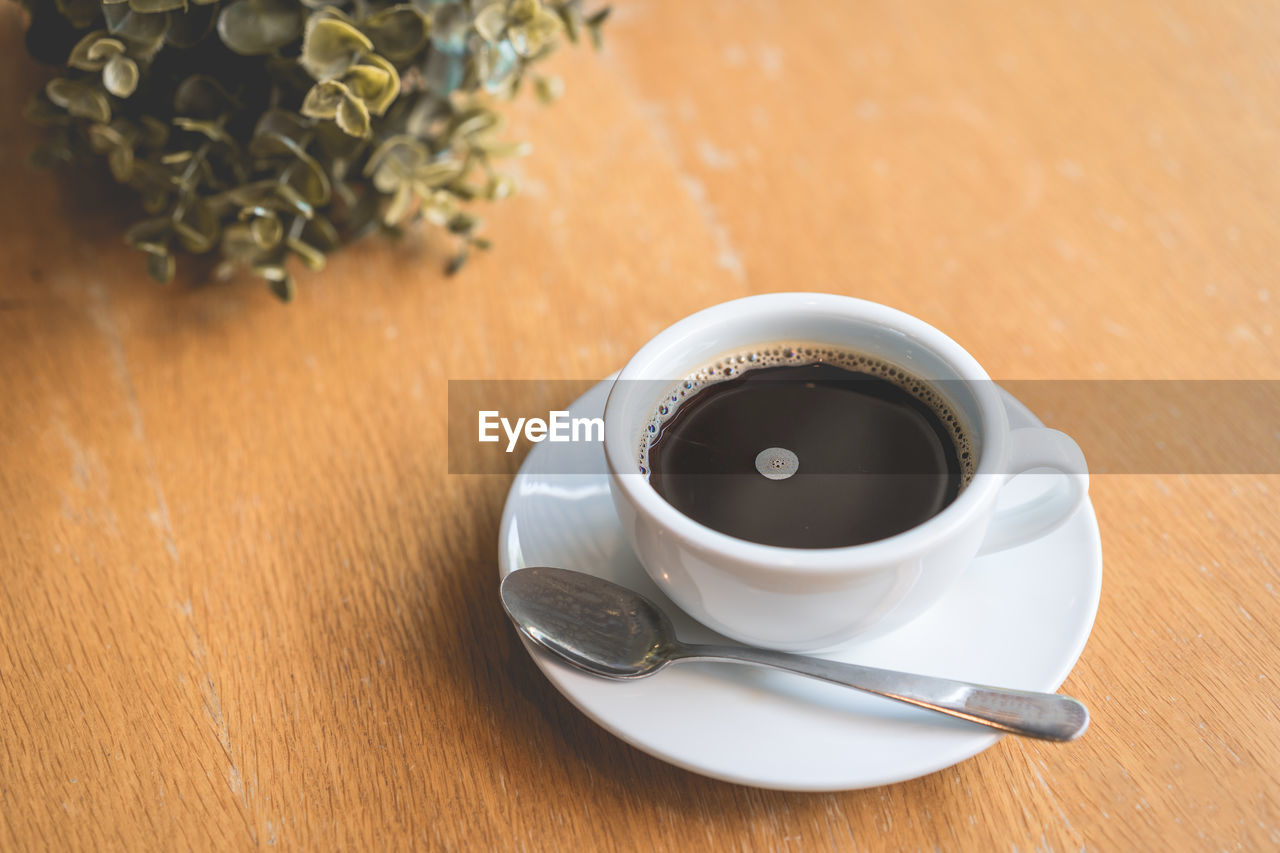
[614,632]
[592,623]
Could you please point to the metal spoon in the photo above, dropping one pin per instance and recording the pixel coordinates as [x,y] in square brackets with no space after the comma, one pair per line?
[611,631]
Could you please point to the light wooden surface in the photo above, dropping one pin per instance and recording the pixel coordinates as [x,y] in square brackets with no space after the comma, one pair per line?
[243,603]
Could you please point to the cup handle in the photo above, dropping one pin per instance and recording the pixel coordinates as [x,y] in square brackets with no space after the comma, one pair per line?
[1028,449]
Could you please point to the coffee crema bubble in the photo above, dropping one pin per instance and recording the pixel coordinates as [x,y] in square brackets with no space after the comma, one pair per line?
[732,365]
[777,463]
[805,445]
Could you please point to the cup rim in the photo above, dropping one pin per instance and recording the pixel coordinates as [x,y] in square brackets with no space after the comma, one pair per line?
[624,468]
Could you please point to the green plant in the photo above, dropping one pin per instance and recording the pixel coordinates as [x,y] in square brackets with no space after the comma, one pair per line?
[272,129]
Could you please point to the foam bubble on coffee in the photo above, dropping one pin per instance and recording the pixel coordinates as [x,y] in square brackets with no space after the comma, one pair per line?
[777,463]
[798,354]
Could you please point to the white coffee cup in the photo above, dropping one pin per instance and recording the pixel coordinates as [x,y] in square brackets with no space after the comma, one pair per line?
[808,599]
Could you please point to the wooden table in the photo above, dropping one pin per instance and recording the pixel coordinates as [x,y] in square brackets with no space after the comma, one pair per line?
[245,604]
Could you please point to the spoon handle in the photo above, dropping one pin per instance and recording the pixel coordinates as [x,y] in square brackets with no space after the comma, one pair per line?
[1048,716]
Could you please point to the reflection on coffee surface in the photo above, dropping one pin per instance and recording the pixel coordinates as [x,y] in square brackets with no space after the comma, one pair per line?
[806,447]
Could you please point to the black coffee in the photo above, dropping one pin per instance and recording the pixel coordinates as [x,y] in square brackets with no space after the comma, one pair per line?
[838,451]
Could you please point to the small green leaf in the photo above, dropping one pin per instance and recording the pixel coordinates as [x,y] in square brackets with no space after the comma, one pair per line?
[496,149]
[311,256]
[397,32]
[197,228]
[271,144]
[476,122]
[530,28]
[463,222]
[353,117]
[594,24]
[294,200]
[106,137]
[248,195]
[266,230]
[500,187]
[375,82]
[255,27]
[201,96]
[404,147]
[120,76]
[321,233]
[150,235]
[211,129]
[330,47]
[437,174]
[521,12]
[390,177]
[120,162]
[309,179]
[496,66]
[464,191]
[81,55]
[282,123]
[571,16]
[149,6]
[399,206]
[548,89]
[445,72]
[144,31]
[456,262]
[340,153]
[239,244]
[450,27]
[439,207]
[491,22]
[280,282]
[324,99]
[104,49]
[306,174]
[373,85]
[79,98]
[161,267]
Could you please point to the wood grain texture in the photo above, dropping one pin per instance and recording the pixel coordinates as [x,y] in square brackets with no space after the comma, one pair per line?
[245,604]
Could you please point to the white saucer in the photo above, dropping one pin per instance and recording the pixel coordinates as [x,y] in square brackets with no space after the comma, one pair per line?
[1017,619]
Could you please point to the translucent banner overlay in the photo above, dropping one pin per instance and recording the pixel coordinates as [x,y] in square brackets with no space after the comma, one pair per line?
[1139,426]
